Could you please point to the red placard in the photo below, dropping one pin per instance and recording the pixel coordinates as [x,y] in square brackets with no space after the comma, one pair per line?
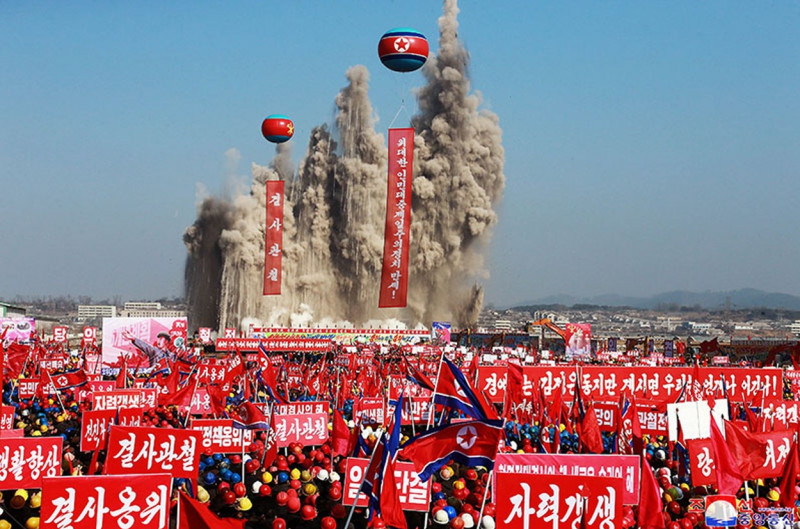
[89,502]
[303,422]
[624,468]
[94,428]
[415,410]
[60,334]
[125,398]
[414,495]
[6,417]
[55,363]
[394,273]
[201,402]
[133,450]
[27,388]
[220,436]
[210,373]
[526,501]
[701,462]
[84,393]
[273,238]
[24,462]
[370,408]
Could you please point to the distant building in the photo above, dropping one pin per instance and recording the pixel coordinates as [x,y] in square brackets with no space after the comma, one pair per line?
[142,305]
[794,328]
[8,310]
[90,312]
[502,325]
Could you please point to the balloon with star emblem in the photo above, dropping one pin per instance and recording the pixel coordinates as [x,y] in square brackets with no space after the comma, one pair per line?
[403,49]
[277,128]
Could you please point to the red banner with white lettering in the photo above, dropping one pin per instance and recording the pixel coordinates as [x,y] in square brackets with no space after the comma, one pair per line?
[701,462]
[526,501]
[273,238]
[125,398]
[657,384]
[394,274]
[7,417]
[134,450]
[626,468]
[220,436]
[414,495]
[303,422]
[251,344]
[25,461]
[89,502]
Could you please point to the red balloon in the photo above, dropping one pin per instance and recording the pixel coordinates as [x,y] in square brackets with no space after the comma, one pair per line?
[277,128]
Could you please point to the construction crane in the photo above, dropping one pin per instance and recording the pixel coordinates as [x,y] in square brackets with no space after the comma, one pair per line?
[548,323]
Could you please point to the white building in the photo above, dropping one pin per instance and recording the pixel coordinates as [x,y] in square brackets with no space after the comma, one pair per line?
[89,312]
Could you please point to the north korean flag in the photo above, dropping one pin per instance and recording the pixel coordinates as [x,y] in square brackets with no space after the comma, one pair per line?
[472,443]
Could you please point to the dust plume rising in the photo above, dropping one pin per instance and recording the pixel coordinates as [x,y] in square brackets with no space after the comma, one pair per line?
[335,207]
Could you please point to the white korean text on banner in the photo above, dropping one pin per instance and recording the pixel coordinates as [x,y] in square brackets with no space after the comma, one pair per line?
[89,502]
[394,274]
[273,238]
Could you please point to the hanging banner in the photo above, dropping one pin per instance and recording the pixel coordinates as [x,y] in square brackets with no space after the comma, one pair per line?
[273,238]
[89,502]
[394,275]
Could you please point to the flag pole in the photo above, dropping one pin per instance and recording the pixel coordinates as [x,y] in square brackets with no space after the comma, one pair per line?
[361,486]
[432,413]
[483,500]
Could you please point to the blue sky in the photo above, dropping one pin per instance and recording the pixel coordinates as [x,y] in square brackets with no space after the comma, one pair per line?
[650,146]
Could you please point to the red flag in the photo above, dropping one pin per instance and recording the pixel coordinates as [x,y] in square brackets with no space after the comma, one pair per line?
[122,376]
[729,476]
[181,397]
[16,356]
[789,478]
[391,508]
[396,238]
[650,515]
[340,438]
[589,431]
[196,515]
[746,448]
[273,238]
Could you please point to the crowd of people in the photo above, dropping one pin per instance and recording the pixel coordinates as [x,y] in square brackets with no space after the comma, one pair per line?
[305,486]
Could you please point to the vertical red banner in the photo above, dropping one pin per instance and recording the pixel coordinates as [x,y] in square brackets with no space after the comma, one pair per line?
[273,238]
[394,274]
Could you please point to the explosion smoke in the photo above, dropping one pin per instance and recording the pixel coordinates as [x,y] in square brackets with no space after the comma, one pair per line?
[335,207]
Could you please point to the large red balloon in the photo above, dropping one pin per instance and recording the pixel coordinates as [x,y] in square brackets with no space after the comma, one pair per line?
[277,128]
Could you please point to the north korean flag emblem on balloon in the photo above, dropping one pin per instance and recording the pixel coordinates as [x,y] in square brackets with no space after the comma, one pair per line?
[403,49]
